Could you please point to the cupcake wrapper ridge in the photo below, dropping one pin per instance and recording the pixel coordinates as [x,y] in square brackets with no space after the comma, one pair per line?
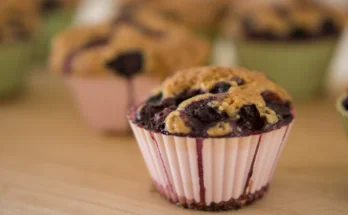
[211,173]
[103,102]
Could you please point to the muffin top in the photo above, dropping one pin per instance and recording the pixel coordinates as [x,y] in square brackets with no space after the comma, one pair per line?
[128,45]
[18,20]
[185,11]
[215,102]
[48,6]
[285,20]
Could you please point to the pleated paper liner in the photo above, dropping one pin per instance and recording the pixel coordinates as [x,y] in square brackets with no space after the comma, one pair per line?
[104,102]
[211,173]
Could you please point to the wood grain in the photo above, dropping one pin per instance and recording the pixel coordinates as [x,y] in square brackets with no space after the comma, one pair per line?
[51,164]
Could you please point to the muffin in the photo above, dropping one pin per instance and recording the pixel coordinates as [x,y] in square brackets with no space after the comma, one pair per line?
[342,107]
[292,42]
[205,22]
[57,15]
[211,137]
[112,65]
[18,25]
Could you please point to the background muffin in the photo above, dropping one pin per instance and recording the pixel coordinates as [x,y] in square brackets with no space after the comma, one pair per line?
[184,12]
[18,25]
[342,107]
[291,41]
[131,54]
[227,125]
[57,15]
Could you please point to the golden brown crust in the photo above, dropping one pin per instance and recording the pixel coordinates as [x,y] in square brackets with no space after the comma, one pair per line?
[185,11]
[18,16]
[305,14]
[176,49]
[64,4]
[204,79]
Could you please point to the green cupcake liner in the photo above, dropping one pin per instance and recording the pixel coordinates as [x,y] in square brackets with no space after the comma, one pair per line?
[53,24]
[299,67]
[343,112]
[15,63]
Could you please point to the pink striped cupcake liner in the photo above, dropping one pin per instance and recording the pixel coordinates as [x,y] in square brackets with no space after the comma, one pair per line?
[211,173]
[104,102]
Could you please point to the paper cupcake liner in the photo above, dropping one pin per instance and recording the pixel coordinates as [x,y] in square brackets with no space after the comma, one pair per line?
[219,172]
[290,65]
[14,66]
[343,112]
[104,102]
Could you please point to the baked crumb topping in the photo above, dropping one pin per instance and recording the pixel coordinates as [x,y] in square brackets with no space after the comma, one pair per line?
[216,101]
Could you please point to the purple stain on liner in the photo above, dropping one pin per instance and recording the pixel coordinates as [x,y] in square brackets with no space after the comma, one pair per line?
[199,147]
[279,149]
[251,170]
[172,194]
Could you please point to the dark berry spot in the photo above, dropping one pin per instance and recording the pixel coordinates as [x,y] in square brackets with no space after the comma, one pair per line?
[252,32]
[238,80]
[299,33]
[155,99]
[127,64]
[220,87]
[158,120]
[186,95]
[250,118]
[274,102]
[204,113]
[248,25]
[169,102]
[269,97]
[345,103]
[329,27]
[146,113]
[50,5]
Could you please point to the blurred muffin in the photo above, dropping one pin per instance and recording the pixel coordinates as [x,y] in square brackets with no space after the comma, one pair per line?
[18,24]
[211,136]
[205,21]
[342,107]
[292,42]
[113,65]
[57,15]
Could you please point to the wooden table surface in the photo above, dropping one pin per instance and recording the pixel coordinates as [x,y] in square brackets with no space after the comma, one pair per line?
[51,164]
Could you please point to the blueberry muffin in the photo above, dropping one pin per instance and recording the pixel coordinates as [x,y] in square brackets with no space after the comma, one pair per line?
[291,42]
[296,20]
[132,52]
[57,15]
[211,136]
[342,107]
[18,25]
[205,22]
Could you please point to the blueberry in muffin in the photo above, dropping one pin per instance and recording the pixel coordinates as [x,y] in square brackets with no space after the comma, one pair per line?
[216,102]
[293,20]
[211,136]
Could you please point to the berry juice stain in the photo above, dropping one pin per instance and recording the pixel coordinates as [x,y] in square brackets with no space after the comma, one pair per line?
[199,147]
[251,170]
[127,65]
